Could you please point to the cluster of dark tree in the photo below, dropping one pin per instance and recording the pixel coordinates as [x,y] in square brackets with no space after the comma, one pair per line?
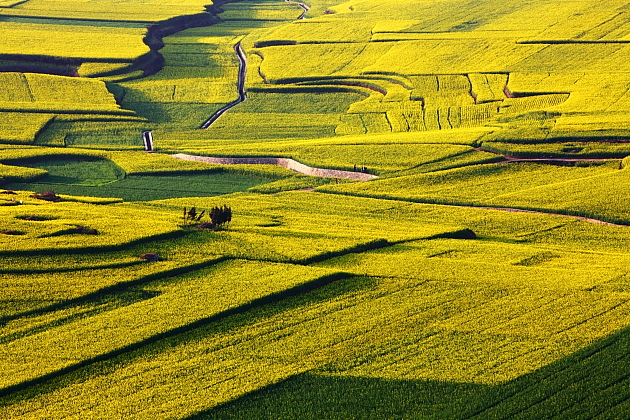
[219,216]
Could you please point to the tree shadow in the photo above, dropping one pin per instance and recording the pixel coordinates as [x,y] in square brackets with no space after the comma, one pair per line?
[591,382]
[320,289]
[315,397]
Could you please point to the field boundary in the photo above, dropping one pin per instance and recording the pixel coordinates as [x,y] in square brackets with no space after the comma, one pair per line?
[516,210]
[270,298]
[468,206]
[543,160]
[288,163]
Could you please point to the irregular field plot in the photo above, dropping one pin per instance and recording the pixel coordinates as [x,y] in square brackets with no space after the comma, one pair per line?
[350,301]
[200,294]
[595,191]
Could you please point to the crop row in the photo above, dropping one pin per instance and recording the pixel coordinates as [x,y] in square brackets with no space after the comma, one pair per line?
[580,149]
[178,302]
[398,326]
[16,127]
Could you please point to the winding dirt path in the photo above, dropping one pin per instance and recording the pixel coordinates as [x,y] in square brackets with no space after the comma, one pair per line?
[242,71]
[284,162]
[303,6]
[240,86]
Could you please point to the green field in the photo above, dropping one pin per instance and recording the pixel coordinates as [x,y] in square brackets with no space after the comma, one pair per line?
[480,273]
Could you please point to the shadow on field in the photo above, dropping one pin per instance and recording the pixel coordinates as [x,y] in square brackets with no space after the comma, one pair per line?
[115,295]
[591,382]
[311,397]
[303,295]
[89,308]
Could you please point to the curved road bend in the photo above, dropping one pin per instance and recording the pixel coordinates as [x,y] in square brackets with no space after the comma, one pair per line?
[303,6]
[242,71]
[284,162]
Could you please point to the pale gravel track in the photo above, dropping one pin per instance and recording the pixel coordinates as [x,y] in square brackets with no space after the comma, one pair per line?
[284,162]
[359,176]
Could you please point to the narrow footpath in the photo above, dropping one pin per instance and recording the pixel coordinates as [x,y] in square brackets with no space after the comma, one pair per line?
[240,86]
[242,71]
[303,6]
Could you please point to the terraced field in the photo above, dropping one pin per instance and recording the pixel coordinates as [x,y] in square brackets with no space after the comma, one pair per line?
[411,209]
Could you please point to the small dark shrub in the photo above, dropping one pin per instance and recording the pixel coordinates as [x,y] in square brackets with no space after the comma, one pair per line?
[12,232]
[219,216]
[150,256]
[48,195]
[34,218]
[86,231]
[191,215]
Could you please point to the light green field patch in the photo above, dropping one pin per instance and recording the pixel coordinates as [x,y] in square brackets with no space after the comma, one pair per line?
[433,56]
[319,31]
[488,87]
[9,173]
[263,11]
[280,62]
[124,11]
[49,94]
